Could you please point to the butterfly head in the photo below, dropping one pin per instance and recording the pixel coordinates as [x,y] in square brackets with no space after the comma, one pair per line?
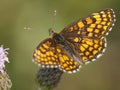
[51,32]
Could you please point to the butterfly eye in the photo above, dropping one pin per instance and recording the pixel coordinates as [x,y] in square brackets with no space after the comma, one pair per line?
[51,32]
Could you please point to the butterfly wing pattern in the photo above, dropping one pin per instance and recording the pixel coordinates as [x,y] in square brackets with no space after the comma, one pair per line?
[89,34]
[50,55]
[79,43]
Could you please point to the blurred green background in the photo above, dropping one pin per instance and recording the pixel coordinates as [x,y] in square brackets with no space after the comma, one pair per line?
[38,15]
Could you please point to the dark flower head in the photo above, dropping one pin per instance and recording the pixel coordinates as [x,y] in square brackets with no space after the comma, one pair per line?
[48,77]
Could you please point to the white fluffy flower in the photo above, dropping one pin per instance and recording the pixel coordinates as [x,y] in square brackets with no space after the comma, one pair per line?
[3,58]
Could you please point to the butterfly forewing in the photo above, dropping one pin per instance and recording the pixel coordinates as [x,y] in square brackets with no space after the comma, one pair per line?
[45,54]
[96,25]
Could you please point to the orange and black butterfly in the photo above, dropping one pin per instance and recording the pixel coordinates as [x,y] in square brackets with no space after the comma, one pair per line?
[79,43]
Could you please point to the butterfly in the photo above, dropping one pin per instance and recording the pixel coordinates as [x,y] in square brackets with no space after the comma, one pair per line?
[79,43]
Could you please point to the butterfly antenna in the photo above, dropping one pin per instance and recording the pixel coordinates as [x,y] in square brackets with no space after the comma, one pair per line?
[54,19]
[51,31]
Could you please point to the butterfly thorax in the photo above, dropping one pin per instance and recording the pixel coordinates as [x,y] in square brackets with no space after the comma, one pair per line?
[59,39]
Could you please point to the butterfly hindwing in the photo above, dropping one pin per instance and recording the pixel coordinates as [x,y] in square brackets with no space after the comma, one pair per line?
[67,63]
[91,49]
